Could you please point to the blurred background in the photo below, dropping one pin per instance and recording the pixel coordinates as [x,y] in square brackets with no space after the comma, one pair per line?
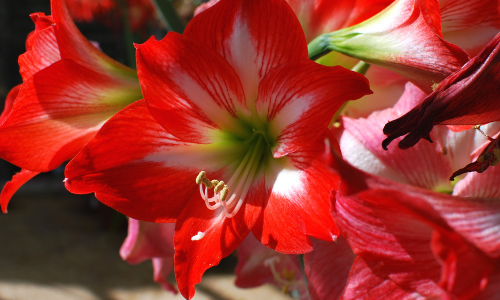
[56,245]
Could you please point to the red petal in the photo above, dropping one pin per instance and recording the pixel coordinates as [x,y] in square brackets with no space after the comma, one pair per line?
[327,268]
[193,257]
[192,91]
[470,24]
[9,102]
[299,199]
[42,49]
[57,111]
[150,179]
[300,98]
[253,37]
[11,187]
[455,100]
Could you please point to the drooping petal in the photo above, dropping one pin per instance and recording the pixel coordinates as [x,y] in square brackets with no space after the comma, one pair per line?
[162,267]
[253,37]
[303,194]
[327,268]
[11,187]
[467,97]
[405,38]
[298,98]
[490,156]
[193,91]
[164,168]
[42,49]
[470,24]
[57,111]
[220,236]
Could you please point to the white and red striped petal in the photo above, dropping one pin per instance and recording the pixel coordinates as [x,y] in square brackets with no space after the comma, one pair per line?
[193,92]
[57,111]
[253,36]
[298,98]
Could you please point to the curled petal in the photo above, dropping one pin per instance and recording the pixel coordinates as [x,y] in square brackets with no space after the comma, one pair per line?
[11,187]
[467,97]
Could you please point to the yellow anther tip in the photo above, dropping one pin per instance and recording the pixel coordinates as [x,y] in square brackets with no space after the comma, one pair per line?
[219,186]
[200,177]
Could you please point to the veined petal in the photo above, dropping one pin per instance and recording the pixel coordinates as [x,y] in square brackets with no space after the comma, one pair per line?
[253,37]
[193,91]
[9,102]
[301,97]
[322,16]
[42,49]
[327,268]
[480,185]
[11,187]
[467,97]
[303,195]
[164,167]
[73,45]
[57,111]
[470,24]
[221,236]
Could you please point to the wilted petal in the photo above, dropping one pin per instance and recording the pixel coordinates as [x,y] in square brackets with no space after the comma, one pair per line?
[467,97]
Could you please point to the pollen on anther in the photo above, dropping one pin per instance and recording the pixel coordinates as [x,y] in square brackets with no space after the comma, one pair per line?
[200,177]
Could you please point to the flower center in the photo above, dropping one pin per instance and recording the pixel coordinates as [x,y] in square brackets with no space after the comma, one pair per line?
[231,196]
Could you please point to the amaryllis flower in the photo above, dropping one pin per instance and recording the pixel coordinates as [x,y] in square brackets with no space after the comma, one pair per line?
[69,90]
[405,38]
[411,237]
[235,106]
[153,241]
[467,97]
[258,264]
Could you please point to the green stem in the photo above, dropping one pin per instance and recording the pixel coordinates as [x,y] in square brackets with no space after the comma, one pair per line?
[168,16]
[127,32]
[303,269]
[318,47]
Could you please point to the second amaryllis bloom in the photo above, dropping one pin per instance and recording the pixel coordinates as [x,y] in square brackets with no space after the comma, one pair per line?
[235,105]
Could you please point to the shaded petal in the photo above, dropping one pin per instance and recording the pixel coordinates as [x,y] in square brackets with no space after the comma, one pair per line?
[141,170]
[162,267]
[469,24]
[222,236]
[57,111]
[11,187]
[299,199]
[258,264]
[193,91]
[42,49]
[455,101]
[301,97]
[327,268]
[490,156]
[253,37]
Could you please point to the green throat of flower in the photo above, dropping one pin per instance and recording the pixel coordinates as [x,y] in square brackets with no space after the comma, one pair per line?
[229,197]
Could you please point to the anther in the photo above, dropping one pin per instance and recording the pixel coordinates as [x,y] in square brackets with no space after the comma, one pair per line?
[223,193]
[207,183]
[219,186]
[200,177]
[215,182]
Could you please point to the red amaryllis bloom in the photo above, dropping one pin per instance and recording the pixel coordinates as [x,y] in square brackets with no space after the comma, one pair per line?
[467,97]
[258,264]
[411,240]
[237,98]
[405,38]
[70,89]
[153,241]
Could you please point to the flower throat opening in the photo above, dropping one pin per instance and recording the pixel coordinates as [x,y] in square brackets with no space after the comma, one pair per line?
[231,195]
